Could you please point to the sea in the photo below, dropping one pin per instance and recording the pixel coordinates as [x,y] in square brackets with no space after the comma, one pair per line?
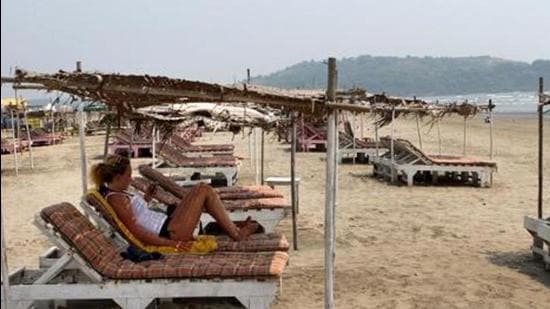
[506,103]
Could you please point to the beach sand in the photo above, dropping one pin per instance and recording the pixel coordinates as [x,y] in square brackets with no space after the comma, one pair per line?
[396,246]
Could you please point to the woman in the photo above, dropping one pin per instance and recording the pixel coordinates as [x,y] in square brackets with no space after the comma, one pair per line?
[113,177]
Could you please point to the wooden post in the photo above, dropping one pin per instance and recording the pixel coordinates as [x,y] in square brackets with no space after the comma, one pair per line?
[418,130]
[464,146]
[541,122]
[376,139]
[248,76]
[293,182]
[491,106]
[83,167]
[19,99]
[28,136]
[392,152]
[5,272]
[250,148]
[106,146]
[154,146]
[330,188]
[14,143]
[353,136]
[362,119]
[256,159]
[79,66]
[439,134]
[262,156]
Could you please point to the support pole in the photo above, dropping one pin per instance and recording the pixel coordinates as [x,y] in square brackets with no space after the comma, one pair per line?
[392,152]
[28,137]
[464,146]
[5,272]
[83,167]
[541,122]
[362,125]
[330,187]
[376,139]
[262,157]
[418,130]
[353,136]
[250,148]
[106,146]
[154,146]
[439,134]
[14,143]
[256,158]
[491,106]
[293,182]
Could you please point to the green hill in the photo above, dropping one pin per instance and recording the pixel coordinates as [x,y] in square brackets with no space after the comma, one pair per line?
[416,76]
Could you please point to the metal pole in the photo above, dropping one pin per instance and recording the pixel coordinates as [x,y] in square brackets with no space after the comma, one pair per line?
[14,144]
[418,130]
[464,147]
[330,188]
[540,107]
[293,182]
[5,276]
[262,157]
[83,167]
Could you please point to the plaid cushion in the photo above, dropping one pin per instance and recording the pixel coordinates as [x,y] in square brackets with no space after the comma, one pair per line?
[174,156]
[255,197]
[103,256]
[254,243]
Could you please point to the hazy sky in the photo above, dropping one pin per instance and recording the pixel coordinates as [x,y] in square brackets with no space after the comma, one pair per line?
[217,40]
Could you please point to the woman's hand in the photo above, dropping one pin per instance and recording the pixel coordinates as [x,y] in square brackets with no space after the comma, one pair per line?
[150,192]
[183,245]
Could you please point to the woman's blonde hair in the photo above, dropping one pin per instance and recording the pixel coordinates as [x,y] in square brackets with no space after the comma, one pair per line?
[104,172]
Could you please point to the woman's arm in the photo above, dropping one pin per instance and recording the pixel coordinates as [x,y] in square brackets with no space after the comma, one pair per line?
[123,209]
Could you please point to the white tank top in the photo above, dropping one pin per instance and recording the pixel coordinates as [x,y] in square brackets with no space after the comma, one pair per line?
[148,219]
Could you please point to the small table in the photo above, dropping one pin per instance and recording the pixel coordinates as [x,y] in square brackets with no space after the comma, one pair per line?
[285,181]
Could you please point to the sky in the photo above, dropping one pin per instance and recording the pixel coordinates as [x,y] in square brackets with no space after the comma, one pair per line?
[216,41]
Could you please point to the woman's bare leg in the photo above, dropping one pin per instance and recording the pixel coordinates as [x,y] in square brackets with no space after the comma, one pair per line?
[186,216]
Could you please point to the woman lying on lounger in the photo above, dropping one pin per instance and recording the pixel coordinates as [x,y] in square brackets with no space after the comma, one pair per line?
[175,228]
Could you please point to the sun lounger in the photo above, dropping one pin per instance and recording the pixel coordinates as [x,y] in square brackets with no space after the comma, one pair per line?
[309,137]
[88,265]
[409,161]
[136,145]
[201,150]
[540,230]
[174,164]
[96,207]
[267,211]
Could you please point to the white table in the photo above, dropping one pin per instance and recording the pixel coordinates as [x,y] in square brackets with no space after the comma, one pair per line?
[285,181]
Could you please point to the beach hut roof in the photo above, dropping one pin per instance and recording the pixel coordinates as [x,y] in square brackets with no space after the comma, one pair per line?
[127,93]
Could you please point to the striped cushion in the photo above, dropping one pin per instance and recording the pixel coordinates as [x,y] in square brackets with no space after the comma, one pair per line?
[254,243]
[104,257]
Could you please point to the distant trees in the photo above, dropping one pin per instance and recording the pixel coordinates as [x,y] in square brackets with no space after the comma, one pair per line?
[420,76]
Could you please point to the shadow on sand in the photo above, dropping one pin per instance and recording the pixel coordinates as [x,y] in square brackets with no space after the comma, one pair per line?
[523,262]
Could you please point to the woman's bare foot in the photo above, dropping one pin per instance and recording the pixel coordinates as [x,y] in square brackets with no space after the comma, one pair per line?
[246,229]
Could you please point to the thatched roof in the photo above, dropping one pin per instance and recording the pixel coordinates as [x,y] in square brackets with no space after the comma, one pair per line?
[128,93]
